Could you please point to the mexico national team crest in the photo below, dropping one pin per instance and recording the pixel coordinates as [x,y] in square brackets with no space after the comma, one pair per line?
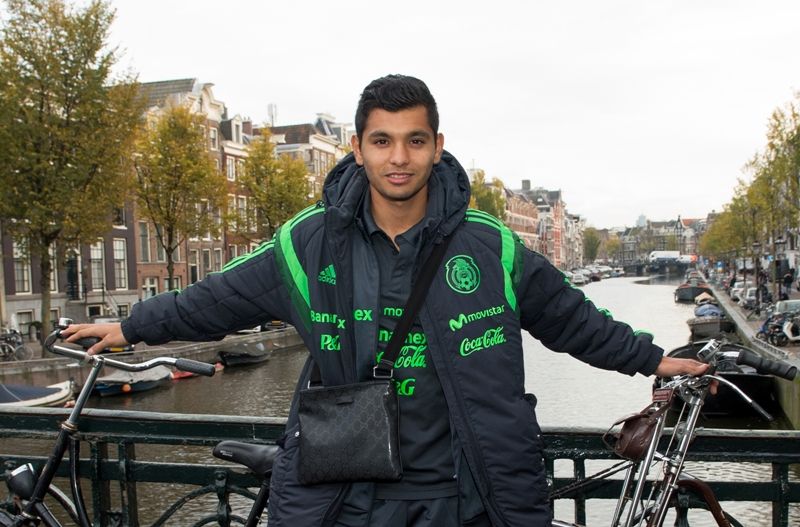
[463,275]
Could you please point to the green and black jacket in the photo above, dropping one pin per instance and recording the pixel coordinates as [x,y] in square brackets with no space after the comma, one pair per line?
[320,273]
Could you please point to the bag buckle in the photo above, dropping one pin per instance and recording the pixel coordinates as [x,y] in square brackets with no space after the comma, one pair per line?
[376,376]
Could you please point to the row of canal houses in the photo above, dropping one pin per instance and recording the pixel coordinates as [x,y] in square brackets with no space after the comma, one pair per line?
[129,265]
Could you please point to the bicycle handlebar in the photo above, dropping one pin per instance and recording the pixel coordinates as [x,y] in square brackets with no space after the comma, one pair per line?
[83,357]
[766,366]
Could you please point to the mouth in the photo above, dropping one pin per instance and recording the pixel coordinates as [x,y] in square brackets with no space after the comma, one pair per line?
[398,177]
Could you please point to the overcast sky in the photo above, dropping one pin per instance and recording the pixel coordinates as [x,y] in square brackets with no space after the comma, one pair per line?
[628,107]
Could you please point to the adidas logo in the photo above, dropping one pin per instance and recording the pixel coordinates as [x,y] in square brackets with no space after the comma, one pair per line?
[328,275]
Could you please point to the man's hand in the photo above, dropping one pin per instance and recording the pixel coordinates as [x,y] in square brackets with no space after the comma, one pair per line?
[110,335]
[671,367]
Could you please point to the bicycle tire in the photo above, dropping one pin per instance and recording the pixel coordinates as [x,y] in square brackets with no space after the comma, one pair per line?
[6,351]
[23,353]
[63,500]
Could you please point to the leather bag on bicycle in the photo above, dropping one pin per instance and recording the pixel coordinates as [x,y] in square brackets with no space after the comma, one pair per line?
[636,434]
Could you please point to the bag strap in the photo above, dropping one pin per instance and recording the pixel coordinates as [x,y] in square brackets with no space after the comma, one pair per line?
[384,368]
[414,303]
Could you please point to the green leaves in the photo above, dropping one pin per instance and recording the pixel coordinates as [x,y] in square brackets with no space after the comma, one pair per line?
[490,199]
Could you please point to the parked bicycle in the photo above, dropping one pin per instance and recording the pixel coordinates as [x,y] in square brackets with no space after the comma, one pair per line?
[646,501]
[28,487]
[12,346]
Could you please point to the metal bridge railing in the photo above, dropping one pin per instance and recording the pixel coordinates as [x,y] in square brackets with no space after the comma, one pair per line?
[114,475]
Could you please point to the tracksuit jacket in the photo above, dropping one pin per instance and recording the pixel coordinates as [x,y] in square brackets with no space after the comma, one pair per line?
[320,273]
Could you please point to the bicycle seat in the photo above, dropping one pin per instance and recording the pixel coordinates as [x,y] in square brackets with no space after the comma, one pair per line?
[258,458]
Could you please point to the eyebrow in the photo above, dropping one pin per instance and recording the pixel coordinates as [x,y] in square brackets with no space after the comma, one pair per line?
[380,134]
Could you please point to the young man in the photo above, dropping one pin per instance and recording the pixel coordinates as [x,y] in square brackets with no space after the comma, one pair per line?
[341,273]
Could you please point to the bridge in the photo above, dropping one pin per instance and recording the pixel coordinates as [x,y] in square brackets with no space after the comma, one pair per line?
[113,438]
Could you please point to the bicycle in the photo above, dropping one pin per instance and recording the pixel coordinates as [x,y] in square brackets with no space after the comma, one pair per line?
[12,347]
[646,502]
[25,506]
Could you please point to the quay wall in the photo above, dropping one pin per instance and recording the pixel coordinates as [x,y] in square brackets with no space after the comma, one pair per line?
[787,392]
[46,371]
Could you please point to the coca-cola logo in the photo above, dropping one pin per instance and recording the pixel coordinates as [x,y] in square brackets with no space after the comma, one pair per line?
[492,337]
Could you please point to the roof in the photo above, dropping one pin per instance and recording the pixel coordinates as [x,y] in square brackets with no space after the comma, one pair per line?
[161,89]
[295,133]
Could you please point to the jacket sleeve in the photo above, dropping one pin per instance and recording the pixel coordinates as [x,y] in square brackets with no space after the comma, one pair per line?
[564,320]
[246,293]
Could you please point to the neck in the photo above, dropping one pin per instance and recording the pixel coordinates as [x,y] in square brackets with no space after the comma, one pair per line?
[396,217]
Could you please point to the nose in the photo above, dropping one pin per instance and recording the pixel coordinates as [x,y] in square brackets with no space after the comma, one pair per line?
[399,155]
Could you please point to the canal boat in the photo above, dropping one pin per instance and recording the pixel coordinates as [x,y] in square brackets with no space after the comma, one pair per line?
[690,290]
[242,354]
[725,403]
[124,382]
[28,396]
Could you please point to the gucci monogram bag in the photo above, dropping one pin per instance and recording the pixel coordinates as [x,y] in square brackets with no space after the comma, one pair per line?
[351,433]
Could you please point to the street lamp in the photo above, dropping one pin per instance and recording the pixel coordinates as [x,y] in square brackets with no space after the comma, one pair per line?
[756,255]
[779,243]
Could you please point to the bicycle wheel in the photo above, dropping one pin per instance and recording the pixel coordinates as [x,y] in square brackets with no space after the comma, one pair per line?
[23,353]
[6,351]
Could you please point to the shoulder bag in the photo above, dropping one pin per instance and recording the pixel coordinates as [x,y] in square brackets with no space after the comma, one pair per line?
[350,433]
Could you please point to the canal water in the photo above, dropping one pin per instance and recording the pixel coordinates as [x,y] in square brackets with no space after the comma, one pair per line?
[570,393]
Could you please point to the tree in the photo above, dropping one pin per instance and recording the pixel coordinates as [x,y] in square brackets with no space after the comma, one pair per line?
[613,248]
[591,243]
[277,188]
[67,127]
[178,187]
[672,242]
[488,199]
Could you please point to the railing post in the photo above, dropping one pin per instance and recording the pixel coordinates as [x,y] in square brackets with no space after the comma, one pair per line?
[223,505]
[101,494]
[780,508]
[579,469]
[127,486]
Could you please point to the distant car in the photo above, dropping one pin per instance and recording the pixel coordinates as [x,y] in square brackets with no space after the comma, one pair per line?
[738,288]
[784,306]
[619,271]
[579,279]
[748,296]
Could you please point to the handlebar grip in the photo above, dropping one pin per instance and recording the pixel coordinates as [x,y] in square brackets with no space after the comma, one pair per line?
[87,342]
[766,366]
[193,366]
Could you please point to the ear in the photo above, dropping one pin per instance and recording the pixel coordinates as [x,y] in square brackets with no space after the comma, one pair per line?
[357,150]
[439,148]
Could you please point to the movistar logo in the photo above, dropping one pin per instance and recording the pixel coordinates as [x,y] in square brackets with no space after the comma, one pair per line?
[328,275]
[466,319]
[463,275]
[492,337]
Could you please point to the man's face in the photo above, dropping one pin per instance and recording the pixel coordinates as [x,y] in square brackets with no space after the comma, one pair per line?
[397,151]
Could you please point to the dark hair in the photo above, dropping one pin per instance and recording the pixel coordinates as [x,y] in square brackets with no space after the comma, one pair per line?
[394,93]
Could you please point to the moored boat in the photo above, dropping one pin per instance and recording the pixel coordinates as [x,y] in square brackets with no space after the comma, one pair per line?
[124,382]
[725,403]
[53,395]
[690,290]
[244,354]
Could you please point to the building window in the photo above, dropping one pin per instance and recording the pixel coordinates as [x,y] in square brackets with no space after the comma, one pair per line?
[119,217]
[161,251]
[96,266]
[144,240]
[149,287]
[216,164]
[176,254]
[54,315]
[206,260]
[123,310]
[241,206]
[24,321]
[176,283]
[242,249]
[237,133]
[120,265]
[22,270]
[212,138]
[231,252]
[231,169]
[94,310]
[240,167]
[218,259]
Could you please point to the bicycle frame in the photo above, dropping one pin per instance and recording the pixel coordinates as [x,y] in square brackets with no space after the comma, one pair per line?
[638,507]
[31,488]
